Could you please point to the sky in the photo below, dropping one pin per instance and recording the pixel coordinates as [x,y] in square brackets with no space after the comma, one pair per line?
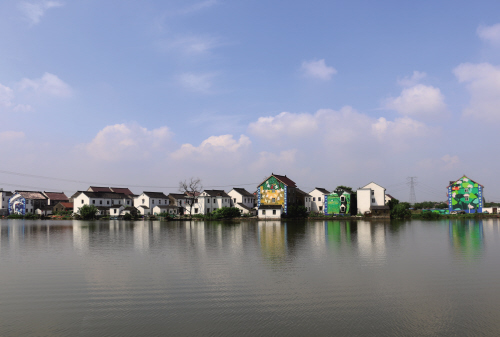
[144,94]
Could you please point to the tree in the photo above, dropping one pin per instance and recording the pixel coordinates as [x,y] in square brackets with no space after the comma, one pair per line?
[88,212]
[345,188]
[191,189]
[399,210]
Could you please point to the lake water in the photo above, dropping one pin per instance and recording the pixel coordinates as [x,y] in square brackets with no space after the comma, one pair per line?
[119,278]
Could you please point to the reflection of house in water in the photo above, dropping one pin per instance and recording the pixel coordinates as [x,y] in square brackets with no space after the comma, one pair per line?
[272,238]
[80,237]
[337,232]
[467,236]
[371,240]
[141,236]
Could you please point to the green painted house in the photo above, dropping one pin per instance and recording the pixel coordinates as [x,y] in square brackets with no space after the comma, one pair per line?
[466,195]
[340,201]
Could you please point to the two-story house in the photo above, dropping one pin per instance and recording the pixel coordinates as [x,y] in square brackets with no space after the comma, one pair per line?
[53,198]
[318,200]
[102,200]
[210,200]
[243,200]
[23,202]
[4,198]
[274,195]
[371,198]
[466,195]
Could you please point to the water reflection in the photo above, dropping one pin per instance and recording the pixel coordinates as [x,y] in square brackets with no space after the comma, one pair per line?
[467,237]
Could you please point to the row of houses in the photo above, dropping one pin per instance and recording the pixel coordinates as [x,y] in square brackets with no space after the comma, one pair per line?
[273,198]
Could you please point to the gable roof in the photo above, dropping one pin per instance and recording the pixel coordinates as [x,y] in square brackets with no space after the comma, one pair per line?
[160,195]
[243,192]
[66,204]
[101,195]
[321,189]
[99,189]
[284,179]
[302,193]
[123,190]
[464,176]
[36,195]
[372,183]
[56,195]
[216,193]
[176,196]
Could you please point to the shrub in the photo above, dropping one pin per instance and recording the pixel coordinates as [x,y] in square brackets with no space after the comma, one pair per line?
[127,216]
[226,213]
[88,212]
[401,211]
[297,212]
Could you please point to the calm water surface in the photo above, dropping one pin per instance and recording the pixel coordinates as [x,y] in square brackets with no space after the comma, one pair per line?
[119,278]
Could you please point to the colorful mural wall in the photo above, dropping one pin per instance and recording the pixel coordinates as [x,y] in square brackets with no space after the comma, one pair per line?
[465,195]
[438,211]
[17,205]
[272,192]
[338,202]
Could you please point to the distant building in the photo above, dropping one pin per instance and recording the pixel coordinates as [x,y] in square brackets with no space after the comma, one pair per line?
[276,190]
[4,198]
[340,202]
[211,200]
[151,199]
[243,200]
[55,197]
[23,202]
[466,195]
[371,198]
[318,199]
[63,207]
[102,200]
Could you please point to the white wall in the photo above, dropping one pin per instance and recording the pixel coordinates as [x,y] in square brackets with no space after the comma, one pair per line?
[247,201]
[268,213]
[364,200]
[378,194]
[317,201]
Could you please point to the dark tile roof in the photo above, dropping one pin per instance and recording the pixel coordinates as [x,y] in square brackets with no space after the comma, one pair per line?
[32,195]
[99,189]
[102,208]
[159,195]
[146,207]
[6,192]
[101,195]
[56,196]
[270,207]
[177,195]
[243,192]
[302,193]
[216,193]
[390,196]
[123,190]
[322,190]
[166,206]
[379,207]
[66,204]
[284,179]
[244,206]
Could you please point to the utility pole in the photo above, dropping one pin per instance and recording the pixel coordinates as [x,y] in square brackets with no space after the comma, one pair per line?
[412,181]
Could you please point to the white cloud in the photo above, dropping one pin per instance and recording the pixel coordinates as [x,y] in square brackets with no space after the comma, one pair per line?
[11,135]
[483,84]
[419,101]
[280,161]
[489,34]
[212,147]
[400,128]
[318,69]
[33,11]
[48,84]
[412,80]
[6,96]
[286,123]
[450,162]
[127,142]
[197,82]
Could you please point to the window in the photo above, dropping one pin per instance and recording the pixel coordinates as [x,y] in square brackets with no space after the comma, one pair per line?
[466,190]
[196,210]
[274,212]
[274,199]
[214,201]
[128,202]
[373,193]
[93,201]
[342,198]
[159,202]
[234,200]
[373,199]
[82,201]
[466,198]
[320,208]
[314,199]
[208,210]
[208,201]
[108,202]
[153,201]
[319,198]
[263,212]
[142,200]
[115,210]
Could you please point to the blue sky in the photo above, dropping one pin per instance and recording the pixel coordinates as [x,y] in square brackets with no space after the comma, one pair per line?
[147,93]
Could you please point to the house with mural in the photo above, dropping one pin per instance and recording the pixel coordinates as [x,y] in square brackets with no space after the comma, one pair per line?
[466,195]
[340,202]
[276,190]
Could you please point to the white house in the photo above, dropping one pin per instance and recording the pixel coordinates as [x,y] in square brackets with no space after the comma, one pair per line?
[120,210]
[317,203]
[4,205]
[34,200]
[371,198]
[102,200]
[271,212]
[151,199]
[143,210]
[243,200]
[210,200]
[170,209]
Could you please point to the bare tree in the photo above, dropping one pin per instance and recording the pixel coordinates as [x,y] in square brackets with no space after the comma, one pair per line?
[191,189]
